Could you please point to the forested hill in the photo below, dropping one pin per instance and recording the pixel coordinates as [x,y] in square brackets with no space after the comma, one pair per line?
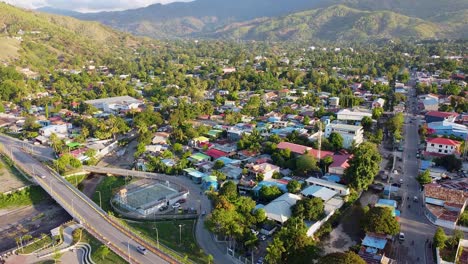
[41,41]
[341,23]
[249,19]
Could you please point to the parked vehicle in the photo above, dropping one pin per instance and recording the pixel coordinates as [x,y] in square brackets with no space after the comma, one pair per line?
[401,236]
[176,205]
[181,201]
[415,199]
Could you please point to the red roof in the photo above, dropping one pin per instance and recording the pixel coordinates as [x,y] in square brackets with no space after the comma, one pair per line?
[340,161]
[323,153]
[214,153]
[443,141]
[296,148]
[441,114]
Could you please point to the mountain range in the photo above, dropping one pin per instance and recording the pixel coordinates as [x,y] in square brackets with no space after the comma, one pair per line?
[330,20]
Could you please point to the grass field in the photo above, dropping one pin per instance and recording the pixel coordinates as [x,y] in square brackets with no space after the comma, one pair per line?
[75,180]
[10,177]
[28,196]
[107,188]
[9,48]
[170,237]
[42,242]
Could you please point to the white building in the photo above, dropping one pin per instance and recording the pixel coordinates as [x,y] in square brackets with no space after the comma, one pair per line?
[54,129]
[443,146]
[378,103]
[279,209]
[352,115]
[118,103]
[342,190]
[334,101]
[350,133]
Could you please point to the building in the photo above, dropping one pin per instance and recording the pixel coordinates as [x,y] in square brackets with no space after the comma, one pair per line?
[266,169]
[340,163]
[444,204]
[300,150]
[279,209]
[160,138]
[112,104]
[437,116]
[333,101]
[351,134]
[379,102]
[442,146]
[352,115]
[342,190]
[447,128]
[54,129]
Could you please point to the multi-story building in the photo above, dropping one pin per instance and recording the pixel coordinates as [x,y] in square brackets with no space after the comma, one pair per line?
[351,134]
[443,146]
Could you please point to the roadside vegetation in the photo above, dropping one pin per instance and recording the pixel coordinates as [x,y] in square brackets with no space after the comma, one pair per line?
[99,252]
[28,196]
[107,187]
[39,243]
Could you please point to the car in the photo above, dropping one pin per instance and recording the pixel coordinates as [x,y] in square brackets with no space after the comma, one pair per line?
[176,205]
[203,213]
[415,199]
[401,236]
[255,232]
[401,181]
[142,250]
[417,155]
[395,172]
[43,176]
[181,201]
[263,237]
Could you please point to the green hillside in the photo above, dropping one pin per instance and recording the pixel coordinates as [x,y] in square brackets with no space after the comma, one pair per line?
[341,23]
[45,41]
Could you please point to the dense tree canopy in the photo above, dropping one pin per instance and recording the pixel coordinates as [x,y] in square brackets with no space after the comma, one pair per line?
[380,220]
[364,165]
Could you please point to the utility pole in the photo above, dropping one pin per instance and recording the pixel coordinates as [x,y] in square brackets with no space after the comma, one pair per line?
[157,231]
[128,249]
[180,234]
[100,205]
[320,141]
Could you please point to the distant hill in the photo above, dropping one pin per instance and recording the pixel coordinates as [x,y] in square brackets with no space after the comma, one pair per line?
[48,40]
[270,19]
[341,23]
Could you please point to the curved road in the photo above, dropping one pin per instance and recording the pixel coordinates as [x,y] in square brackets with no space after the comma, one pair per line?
[93,218]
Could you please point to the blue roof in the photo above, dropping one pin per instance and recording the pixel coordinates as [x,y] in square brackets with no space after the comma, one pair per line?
[281,186]
[438,202]
[375,242]
[332,178]
[425,164]
[386,202]
[226,160]
[397,213]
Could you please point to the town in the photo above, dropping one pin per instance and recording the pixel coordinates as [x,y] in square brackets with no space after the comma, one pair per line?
[204,152]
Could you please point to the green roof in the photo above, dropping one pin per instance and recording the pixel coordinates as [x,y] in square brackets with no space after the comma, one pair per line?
[214,132]
[199,157]
[73,144]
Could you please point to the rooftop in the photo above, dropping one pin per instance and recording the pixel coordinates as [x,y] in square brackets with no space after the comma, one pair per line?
[443,141]
[318,191]
[345,127]
[441,114]
[296,148]
[114,100]
[452,196]
[280,208]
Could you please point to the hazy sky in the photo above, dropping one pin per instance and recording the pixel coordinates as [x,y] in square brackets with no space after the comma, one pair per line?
[89,5]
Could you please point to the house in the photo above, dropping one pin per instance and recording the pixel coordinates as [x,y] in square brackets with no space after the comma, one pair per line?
[160,138]
[199,157]
[195,175]
[352,114]
[442,146]
[437,116]
[340,163]
[54,129]
[379,102]
[199,141]
[444,204]
[342,190]
[283,92]
[334,102]
[112,104]
[351,134]
[279,209]
[266,169]
[298,150]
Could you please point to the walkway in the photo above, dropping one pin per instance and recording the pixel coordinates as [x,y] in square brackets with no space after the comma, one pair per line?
[67,241]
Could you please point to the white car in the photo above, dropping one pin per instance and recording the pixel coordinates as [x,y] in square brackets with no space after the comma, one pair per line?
[401,236]
[401,181]
[255,232]
[142,250]
[176,205]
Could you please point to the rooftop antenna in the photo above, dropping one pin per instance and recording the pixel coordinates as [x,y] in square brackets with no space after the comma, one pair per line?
[320,141]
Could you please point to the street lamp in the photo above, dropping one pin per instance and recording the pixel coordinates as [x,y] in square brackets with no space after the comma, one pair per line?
[157,231]
[100,205]
[180,234]
[128,249]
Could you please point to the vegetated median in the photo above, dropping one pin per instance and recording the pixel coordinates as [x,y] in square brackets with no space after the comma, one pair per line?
[99,252]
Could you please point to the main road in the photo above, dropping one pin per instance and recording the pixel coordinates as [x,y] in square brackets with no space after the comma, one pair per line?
[413,223]
[92,217]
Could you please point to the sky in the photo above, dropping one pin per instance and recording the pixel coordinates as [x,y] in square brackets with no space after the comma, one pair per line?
[88,5]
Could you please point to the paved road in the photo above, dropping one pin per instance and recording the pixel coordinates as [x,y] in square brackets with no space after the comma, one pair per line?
[83,209]
[413,222]
[203,236]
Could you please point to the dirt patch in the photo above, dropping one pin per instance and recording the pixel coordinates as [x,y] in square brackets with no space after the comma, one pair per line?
[90,184]
[10,181]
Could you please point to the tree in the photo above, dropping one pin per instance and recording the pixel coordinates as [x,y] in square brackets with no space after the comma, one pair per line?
[380,220]
[450,162]
[366,123]
[424,177]
[229,190]
[377,112]
[305,164]
[219,175]
[218,165]
[57,255]
[363,167]
[336,141]
[103,251]
[274,251]
[209,258]
[309,208]
[269,193]
[439,238]
[342,258]
[293,186]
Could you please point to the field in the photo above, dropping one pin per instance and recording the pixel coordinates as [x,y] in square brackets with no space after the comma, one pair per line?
[11,179]
[9,48]
[107,187]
